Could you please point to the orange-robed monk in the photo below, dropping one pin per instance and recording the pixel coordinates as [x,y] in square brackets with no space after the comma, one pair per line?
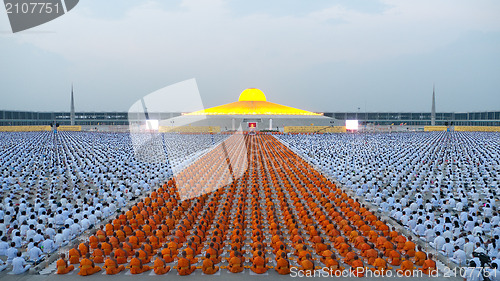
[111,265]
[184,266]
[282,265]
[208,266]
[136,266]
[87,266]
[160,266]
[62,265]
[407,267]
[236,263]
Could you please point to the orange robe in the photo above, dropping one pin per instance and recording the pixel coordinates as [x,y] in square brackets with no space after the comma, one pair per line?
[358,268]
[63,268]
[420,258]
[93,241]
[208,267]
[409,248]
[184,267]
[121,256]
[74,256]
[135,266]
[159,267]
[395,257]
[429,265]
[86,268]
[259,265]
[407,268]
[112,267]
[235,265]
[307,266]
[380,265]
[282,266]
[98,256]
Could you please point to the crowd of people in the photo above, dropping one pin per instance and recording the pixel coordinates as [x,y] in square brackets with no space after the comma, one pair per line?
[444,186]
[278,214]
[219,202]
[54,186]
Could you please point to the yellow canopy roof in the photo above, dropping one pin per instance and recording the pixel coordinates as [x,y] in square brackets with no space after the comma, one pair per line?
[252,102]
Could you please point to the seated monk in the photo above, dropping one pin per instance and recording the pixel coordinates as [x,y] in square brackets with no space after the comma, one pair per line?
[143,255]
[111,265]
[360,240]
[208,266]
[307,265]
[400,240]
[409,248]
[214,254]
[98,254]
[148,249]
[87,267]
[127,247]
[370,254]
[62,265]
[259,263]
[339,240]
[380,243]
[358,267]
[407,267]
[282,264]
[281,249]
[184,266]
[132,240]
[380,264]
[303,253]
[343,249]
[420,256]
[120,234]
[233,253]
[394,258]
[174,246]
[93,241]
[121,255]
[349,257]
[364,246]
[101,235]
[153,241]
[160,267]
[74,256]
[236,244]
[429,265]
[321,247]
[332,263]
[84,248]
[113,240]
[388,247]
[136,266]
[167,254]
[190,253]
[107,248]
[298,247]
[235,263]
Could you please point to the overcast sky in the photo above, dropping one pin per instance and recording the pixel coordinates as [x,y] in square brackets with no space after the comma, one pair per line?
[315,55]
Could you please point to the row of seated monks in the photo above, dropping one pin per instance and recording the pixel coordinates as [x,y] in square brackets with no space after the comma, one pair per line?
[280,211]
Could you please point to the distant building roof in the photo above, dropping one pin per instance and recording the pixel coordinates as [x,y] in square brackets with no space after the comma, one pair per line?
[253,102]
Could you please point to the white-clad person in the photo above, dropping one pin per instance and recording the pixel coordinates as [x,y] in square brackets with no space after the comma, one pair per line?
[19,265]
[459,257]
